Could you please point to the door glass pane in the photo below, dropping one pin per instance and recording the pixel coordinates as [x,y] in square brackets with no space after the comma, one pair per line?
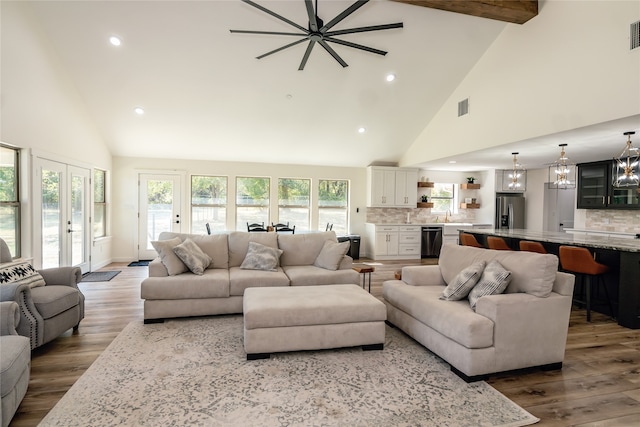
[159,208]
[51,221]
[77,220]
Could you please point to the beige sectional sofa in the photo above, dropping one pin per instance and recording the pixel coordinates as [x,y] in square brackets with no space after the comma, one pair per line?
[220,289]
[526,326]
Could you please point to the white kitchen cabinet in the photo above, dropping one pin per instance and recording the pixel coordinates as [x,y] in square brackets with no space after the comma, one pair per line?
[385,242]
[391,187]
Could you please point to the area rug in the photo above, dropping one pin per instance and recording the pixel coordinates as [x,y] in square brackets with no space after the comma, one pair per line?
[141,263]
[99,276]
[195,372]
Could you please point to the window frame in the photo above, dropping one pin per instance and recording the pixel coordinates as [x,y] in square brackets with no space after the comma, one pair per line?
[102,203]
[452,200]
[209,205]
[15,202]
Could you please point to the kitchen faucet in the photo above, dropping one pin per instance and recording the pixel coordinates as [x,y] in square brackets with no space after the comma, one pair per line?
[446,215]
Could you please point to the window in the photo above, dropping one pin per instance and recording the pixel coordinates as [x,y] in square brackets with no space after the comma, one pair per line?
[10,198]
[99,203]
[208,203]
[333,205]
[293,202]
[252,201]
[443,198]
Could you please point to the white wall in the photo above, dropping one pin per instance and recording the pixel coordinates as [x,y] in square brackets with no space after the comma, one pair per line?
[126,169]
[534,202]
[567,68]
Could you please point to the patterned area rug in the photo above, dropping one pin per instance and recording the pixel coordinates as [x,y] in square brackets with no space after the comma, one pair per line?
[195,372]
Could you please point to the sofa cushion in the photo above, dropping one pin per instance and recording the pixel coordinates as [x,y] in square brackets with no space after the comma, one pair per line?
[531,273]
[303,249]
[239,244]
[170,260]
[462,284]
[20,272]
[240,279]
[261,257]
[308,275]
[192,256]
[214,245]
[453,319]
[331,254]
[214,283]
[54,299]
[494,280]
[15,358]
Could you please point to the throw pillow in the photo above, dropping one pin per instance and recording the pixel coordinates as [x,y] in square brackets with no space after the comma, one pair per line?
[261,257]
[331,255]
[192,256]
[494,280]
[20,272]
[462,284]
[170,260]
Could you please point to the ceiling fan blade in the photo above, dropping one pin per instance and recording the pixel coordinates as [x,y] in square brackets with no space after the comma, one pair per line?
[275,15]
[348,11]
[364,29]
[333,53]
[313,23]
[274,33]
[281,48]
[356,46]
[306,55]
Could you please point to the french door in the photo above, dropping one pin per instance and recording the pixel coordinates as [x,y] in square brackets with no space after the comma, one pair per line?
[160,201]
[62,199]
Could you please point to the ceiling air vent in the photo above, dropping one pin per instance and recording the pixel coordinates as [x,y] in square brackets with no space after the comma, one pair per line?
[635,35]
[463,107]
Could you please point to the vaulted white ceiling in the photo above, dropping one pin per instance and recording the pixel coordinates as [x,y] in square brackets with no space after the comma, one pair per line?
[206,96]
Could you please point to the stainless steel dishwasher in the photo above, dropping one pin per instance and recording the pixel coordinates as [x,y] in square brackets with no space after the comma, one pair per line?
[431,242]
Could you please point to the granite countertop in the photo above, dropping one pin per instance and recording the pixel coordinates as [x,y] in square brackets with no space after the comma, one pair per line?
[603,242]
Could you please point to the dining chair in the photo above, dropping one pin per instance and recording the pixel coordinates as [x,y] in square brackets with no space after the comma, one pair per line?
[208,228]
[256,227]
[497,243]
[283,228]
[329,227]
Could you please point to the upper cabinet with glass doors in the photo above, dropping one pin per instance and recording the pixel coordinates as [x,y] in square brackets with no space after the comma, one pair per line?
[596,190]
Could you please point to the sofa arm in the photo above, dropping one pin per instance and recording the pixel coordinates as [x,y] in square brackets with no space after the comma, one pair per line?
[66,276]
[346,263]
[9,317]
[528,328]
[422,275]
[31,323]
[157,269]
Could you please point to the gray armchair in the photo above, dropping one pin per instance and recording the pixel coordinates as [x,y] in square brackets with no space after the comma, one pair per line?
[45,311]
[15,361]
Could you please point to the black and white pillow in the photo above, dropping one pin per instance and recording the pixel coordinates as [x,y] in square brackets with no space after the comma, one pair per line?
[494,280]
[21,272]
[464,281]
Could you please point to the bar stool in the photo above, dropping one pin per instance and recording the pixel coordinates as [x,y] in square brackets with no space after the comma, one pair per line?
[580,261]
[469,240]
[497,243]
[528,246]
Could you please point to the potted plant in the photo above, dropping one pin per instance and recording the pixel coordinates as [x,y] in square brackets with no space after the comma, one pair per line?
[470,180]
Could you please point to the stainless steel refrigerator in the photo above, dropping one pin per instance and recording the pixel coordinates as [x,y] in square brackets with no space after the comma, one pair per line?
[509,211]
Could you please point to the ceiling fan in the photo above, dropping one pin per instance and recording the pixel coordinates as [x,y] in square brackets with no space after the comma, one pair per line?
[318,31]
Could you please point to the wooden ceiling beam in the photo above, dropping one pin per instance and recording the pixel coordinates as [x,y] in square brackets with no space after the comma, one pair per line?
[514,11]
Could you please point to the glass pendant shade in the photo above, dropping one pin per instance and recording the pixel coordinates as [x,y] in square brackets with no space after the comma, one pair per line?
[625,166]
[562,173]
[516,174]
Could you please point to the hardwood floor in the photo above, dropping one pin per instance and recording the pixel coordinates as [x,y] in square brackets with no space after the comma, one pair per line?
[599,384]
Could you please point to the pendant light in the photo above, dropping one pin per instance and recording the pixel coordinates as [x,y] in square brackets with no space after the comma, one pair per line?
[625,167]
[562,173]
[516,176]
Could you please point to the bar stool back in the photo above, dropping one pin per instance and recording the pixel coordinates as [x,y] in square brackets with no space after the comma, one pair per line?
[469,240]
[528,246]
[497,243]
[580,262]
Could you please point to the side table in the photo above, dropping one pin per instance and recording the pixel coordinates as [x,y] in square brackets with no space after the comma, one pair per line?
[364,270]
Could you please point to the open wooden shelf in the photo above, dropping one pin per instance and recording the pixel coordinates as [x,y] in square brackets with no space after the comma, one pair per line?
[469,205]
[470,186]
[425,204]
[425,184]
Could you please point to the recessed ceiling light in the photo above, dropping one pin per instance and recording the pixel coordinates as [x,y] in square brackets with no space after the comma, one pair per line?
[115,41]
[361,130]
[390,77]
[139,110]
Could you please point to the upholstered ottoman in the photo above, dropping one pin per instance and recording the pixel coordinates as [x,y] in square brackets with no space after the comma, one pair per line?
[311,318]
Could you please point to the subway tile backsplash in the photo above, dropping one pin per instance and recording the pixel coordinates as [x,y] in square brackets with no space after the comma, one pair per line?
[622,221]
[418,216]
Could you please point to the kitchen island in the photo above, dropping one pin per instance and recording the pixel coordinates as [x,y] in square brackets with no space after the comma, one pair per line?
[621,255]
